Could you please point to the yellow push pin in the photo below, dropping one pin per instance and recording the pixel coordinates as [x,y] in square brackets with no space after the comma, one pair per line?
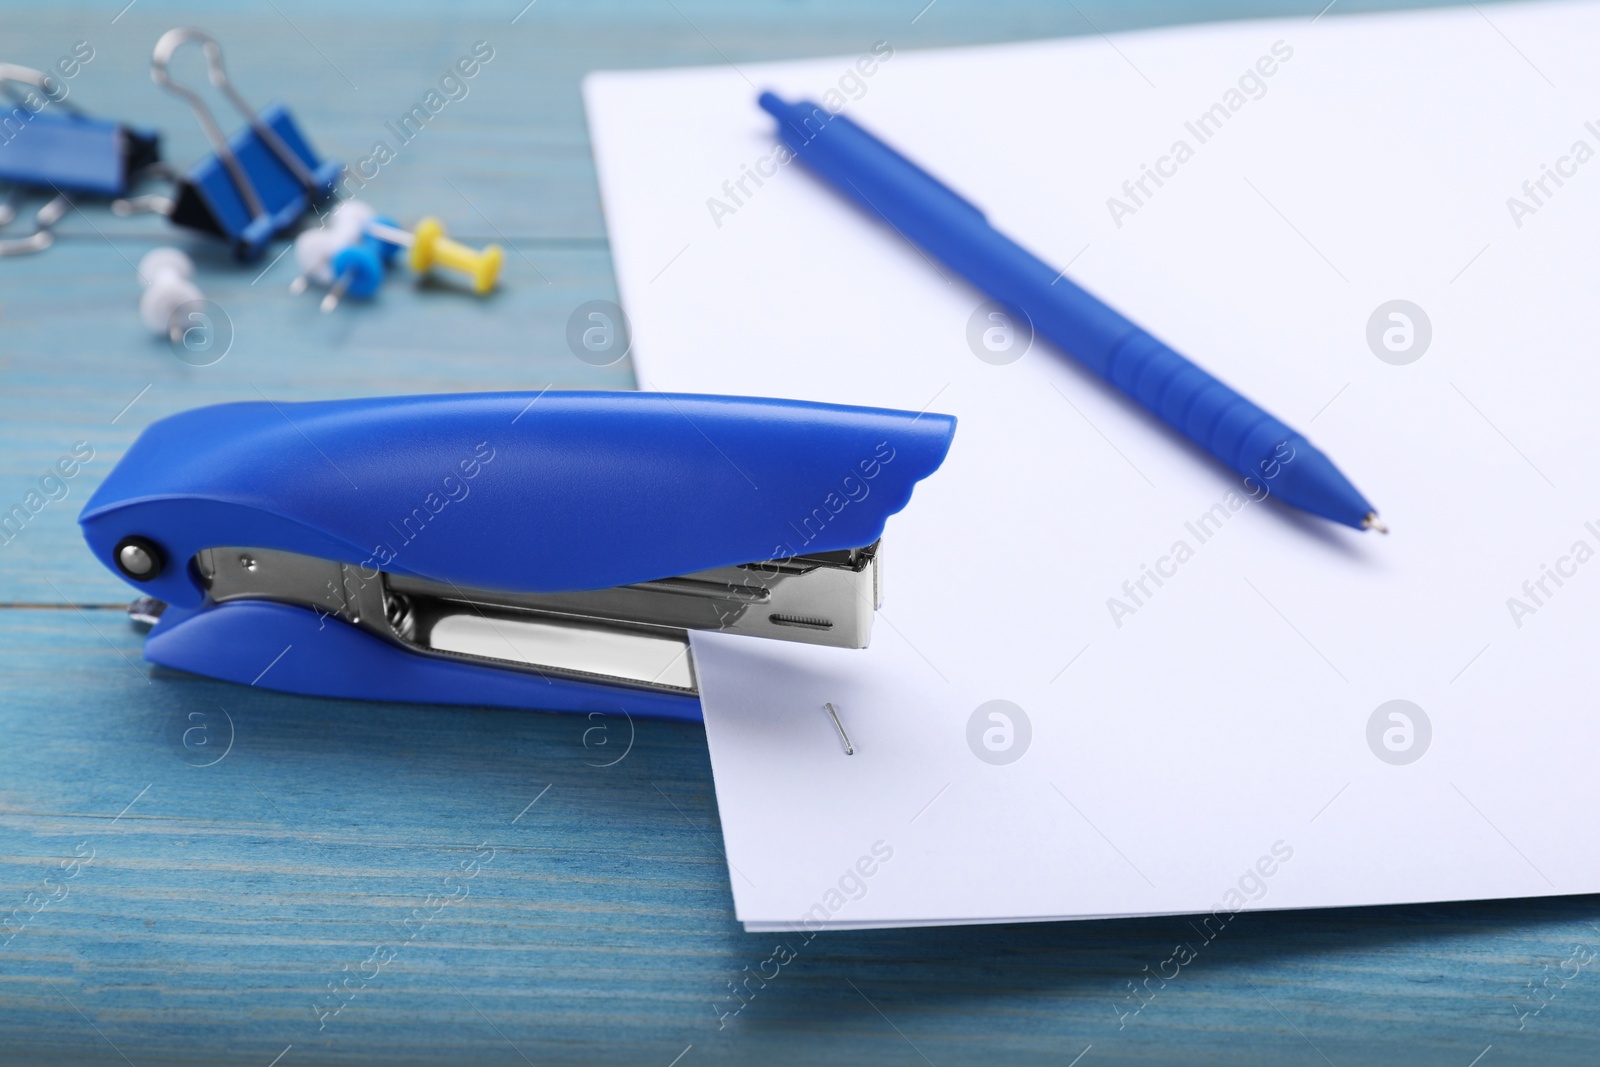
[430,246]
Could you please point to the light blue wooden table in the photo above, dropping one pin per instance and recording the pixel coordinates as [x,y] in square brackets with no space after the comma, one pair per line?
[193,897]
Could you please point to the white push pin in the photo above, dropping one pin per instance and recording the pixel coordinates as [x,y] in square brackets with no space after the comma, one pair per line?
[165,274]
[313,254]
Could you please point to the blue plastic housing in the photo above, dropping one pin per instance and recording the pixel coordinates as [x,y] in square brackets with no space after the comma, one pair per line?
[295,650]
[519,492]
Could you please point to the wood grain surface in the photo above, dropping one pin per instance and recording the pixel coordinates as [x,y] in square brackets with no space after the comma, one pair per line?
[200,873]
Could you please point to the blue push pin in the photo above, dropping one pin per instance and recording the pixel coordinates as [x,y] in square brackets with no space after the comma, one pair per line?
[344,256]
[358,269]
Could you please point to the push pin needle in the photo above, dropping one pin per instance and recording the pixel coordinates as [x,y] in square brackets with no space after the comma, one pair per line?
[1372,522]
[849,749]
[336,292]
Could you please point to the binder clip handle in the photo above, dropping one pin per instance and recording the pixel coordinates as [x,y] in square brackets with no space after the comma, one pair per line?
[58,205]
[217,74]
[15,74]
[44,221]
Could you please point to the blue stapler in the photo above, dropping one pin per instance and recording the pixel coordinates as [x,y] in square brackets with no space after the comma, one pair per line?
[546,551]
[257,185]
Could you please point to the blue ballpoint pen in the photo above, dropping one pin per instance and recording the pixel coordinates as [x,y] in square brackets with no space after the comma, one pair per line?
[1243,437]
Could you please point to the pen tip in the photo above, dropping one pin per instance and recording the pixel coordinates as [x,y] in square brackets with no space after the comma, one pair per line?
[1372,522]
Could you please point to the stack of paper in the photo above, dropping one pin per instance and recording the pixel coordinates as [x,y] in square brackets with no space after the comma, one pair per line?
[1198,688]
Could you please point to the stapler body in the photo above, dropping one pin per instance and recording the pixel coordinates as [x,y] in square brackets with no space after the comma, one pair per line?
[546,551]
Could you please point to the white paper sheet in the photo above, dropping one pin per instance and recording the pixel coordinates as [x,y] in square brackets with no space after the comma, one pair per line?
[1210,748]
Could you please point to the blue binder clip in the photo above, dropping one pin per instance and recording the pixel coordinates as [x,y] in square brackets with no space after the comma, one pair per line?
[522,550]
[257,185]
[48,144]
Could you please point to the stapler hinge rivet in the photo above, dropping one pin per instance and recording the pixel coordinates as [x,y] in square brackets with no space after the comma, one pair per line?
[138,558]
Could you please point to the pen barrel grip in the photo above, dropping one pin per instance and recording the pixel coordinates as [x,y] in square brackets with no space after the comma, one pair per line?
[1211,414]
